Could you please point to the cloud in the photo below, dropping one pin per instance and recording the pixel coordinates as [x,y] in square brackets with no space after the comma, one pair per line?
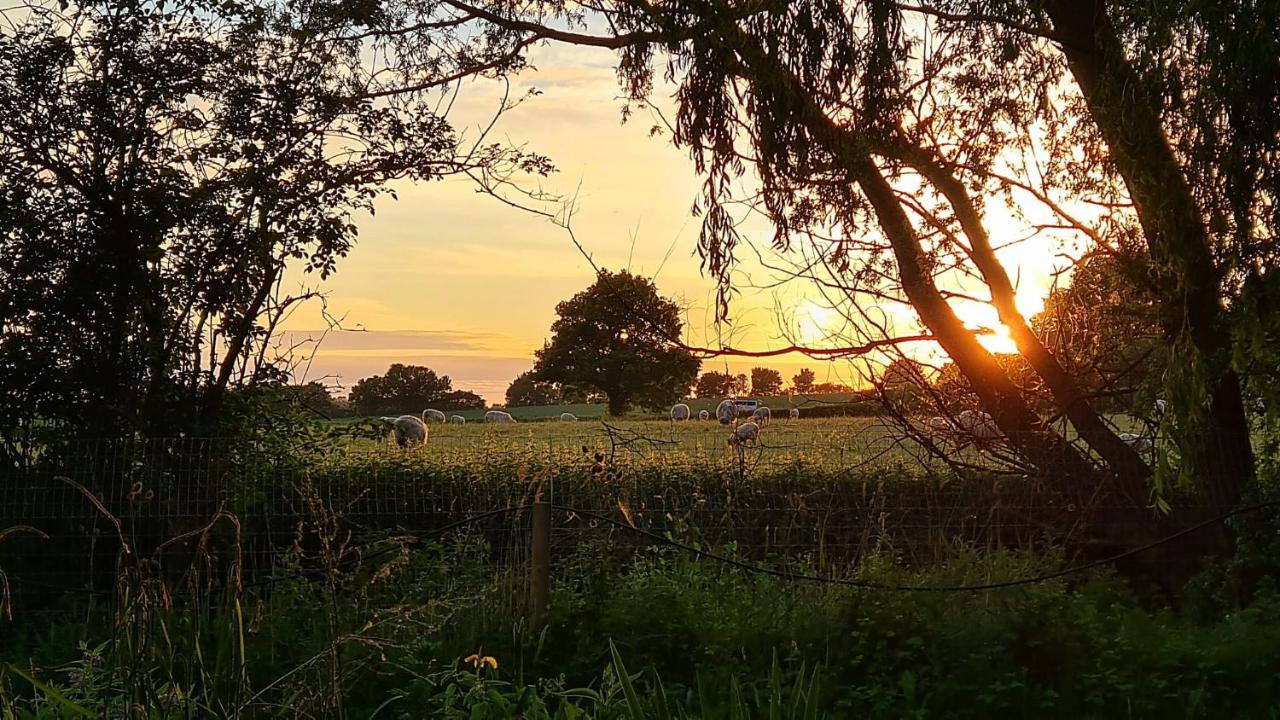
[391,342]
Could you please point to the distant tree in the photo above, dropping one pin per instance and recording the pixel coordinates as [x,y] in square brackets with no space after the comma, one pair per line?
[460,400]
[616,337]
[715,384]
[830,388]
[741,384]
[765,381]
[526,390]
[802,382]
[314,396]
[404,389]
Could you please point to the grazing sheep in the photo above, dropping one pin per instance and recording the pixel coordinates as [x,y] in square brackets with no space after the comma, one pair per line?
[498,416]
[704,415]
[762,416]
[457,420]
[794,413]
[978,425]
[679,411]
[1137,442]
[745,434]
[940,426]
[431,416]
[409,430]
[726,412]
[568,417]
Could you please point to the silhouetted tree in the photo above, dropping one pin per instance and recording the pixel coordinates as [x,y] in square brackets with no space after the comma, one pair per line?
[802,382]
[405,389]
[162,163]
[765,381]
[616,337]
[715,384]
[460,400]
[526,390]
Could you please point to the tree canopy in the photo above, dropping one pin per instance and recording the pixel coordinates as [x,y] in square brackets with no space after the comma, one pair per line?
[716,384]
[162,163]
[765,381]
[408,390]
[618,337]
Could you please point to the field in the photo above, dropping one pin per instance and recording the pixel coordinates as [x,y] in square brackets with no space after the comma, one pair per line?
[351,578]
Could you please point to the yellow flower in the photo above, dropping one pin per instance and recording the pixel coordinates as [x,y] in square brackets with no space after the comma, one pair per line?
[478,661]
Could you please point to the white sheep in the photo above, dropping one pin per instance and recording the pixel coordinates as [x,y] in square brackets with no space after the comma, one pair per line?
[429,416]
[745,434]
[726,412]
[762,416]
[978,425]
[568,417]
[498,416]
[940,426]
[1137,442]
[794,413]
[457,420]
[679,411]
[409,430]
[704,415]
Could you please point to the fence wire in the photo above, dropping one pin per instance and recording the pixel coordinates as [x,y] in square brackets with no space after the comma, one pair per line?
[825,497]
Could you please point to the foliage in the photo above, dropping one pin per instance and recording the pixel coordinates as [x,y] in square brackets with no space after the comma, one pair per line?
[161,164]
[650,633]
[715,384]
[765,381]
[619,337]
[1103,326]
[802,382]
[408,389]
[527,390]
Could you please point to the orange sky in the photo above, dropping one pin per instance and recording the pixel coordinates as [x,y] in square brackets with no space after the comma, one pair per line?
[451,279]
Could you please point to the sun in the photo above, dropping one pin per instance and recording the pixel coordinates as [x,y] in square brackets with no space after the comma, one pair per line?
[998,341]
[816,323]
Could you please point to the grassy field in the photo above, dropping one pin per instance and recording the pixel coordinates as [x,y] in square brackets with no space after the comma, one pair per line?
[779,404]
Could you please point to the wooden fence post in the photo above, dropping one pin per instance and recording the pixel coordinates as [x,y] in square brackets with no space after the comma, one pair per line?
[540,564]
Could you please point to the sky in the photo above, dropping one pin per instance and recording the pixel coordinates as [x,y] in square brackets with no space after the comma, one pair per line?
[455,280]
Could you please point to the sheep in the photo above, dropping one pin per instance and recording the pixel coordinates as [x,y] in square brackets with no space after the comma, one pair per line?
[457,420]
[568,417]
[794,413]
[978,425]
[1137,442]
[679,411]
[726,412]
[762,416]
[704,415]
[498,416]
[430,416]
[744,434]
[409,430]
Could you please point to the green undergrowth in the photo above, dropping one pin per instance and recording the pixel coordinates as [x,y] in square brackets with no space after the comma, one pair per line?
[651,633]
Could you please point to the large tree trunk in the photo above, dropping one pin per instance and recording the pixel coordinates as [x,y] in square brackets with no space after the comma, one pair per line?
[1122,459]
[1174,227]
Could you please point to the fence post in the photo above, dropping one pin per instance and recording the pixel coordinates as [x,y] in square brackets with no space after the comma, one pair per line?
[540,563]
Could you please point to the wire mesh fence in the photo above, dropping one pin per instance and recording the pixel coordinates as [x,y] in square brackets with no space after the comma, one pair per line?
[825,497]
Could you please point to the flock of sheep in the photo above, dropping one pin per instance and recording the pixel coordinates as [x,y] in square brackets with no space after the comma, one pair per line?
[727,413]
[411,430]
[970,427]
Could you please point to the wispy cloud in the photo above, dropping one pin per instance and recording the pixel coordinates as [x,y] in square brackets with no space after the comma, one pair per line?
[393,342]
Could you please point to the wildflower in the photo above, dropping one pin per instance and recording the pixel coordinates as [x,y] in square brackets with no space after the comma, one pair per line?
[479,661]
